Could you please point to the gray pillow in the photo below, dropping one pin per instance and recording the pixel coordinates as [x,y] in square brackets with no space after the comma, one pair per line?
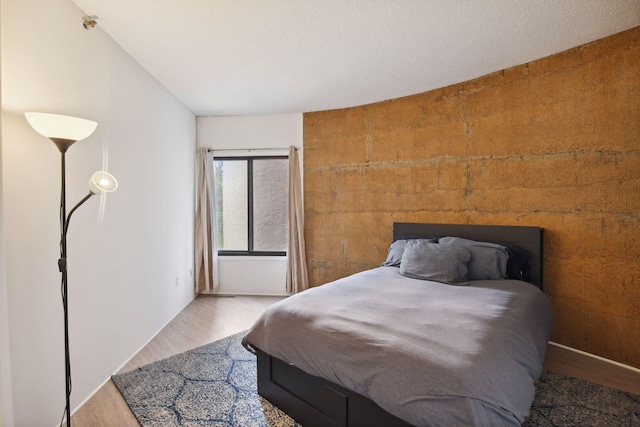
[488,260]
[430,261]
[396,249]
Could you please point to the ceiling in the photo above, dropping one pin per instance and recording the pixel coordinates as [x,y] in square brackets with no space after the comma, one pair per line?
[235,57]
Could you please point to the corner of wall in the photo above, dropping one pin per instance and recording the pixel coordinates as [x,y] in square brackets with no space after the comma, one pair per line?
[6,403]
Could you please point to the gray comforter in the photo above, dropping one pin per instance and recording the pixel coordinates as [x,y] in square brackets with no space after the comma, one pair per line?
[429,353]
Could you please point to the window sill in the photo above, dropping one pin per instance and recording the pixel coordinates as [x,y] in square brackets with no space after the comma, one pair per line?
[251,258]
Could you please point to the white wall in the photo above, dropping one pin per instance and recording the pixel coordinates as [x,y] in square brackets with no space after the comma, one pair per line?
[237,132]
[129,264]
[251,275]
[6,409]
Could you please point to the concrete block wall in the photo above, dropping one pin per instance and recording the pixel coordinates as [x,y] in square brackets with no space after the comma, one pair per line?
[552,143]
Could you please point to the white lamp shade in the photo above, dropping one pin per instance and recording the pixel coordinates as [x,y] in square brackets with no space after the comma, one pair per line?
[102,182]
[62,127]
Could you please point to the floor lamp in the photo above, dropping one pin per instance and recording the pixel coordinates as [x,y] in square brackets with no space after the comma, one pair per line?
[64,131]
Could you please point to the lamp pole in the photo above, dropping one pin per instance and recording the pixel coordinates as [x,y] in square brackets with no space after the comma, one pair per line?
[63,145]
[62,265]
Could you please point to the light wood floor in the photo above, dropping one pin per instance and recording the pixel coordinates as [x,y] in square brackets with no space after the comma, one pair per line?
[209,318]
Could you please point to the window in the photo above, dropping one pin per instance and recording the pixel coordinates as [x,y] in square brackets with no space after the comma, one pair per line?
[252,205]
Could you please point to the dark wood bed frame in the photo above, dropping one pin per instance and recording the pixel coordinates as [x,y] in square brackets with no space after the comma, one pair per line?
[314,401]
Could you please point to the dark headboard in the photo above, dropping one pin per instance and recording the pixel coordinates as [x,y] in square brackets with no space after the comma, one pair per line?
[528,238]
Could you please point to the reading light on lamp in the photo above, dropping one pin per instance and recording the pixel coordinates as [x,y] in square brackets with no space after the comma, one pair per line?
[102,182]
[64,131]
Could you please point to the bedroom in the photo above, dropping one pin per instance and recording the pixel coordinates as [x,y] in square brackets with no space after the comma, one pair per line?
[595,218]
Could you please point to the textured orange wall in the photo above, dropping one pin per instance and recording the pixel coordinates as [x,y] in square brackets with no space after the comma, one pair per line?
[553,143]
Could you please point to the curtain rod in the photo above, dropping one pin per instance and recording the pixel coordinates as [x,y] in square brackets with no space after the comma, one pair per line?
[211,150]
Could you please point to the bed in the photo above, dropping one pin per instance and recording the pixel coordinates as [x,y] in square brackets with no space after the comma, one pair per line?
[379,348]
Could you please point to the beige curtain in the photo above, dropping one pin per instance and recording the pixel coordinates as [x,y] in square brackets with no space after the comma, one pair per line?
[206,235]
[297,276]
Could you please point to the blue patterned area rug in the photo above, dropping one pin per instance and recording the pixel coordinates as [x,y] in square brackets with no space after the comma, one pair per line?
[216,386]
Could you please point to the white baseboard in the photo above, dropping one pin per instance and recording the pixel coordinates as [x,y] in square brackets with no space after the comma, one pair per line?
[240,294]
[602,359]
